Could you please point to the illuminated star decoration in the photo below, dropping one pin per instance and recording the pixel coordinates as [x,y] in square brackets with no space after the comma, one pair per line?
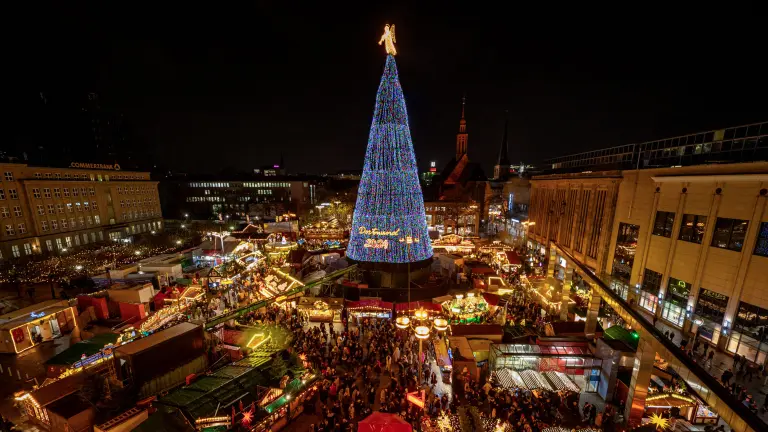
[247,417]
[660,422]
[389,224]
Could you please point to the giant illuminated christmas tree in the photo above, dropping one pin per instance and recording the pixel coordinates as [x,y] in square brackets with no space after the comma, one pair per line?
[389,224]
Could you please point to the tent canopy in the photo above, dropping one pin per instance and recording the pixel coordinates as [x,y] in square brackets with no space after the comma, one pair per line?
[427,306]
[371,303]
[513,258]
[379,421]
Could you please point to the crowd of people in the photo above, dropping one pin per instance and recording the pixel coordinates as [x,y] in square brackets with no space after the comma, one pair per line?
[367,368]
[371,367]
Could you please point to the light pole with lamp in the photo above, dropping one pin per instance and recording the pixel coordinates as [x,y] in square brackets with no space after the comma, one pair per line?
[421,331]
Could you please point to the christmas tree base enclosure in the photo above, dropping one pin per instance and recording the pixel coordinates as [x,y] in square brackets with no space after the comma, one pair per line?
[393,286]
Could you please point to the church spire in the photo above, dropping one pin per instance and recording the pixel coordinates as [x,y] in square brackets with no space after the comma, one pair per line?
[462,136]
[502,165]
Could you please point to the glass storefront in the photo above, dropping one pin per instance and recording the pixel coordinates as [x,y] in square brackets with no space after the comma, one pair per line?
[649,295]
[620,287]
[624,254]
[749,337]
[676,301]
[648,301]
[710,310]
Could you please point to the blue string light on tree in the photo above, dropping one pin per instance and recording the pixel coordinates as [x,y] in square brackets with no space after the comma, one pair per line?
[389,224]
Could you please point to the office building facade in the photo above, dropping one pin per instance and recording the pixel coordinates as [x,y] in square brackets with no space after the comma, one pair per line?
[687,242]
[262,197]
[51,210]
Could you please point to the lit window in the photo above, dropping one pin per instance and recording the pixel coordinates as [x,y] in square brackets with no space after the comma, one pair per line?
[729,234]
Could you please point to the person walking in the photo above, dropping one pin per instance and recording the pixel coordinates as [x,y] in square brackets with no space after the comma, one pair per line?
[726,376]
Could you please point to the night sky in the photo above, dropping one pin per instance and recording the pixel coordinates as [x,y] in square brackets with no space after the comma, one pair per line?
[233,88]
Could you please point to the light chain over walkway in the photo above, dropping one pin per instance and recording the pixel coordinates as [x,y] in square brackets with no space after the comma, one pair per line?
[652,341]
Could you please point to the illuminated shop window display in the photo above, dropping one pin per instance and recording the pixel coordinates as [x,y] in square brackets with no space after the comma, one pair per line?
[749,337]
[571,365]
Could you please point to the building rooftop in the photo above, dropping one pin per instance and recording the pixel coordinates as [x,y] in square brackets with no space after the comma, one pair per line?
[746,143]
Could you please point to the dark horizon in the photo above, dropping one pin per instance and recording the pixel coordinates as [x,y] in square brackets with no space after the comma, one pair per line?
[305,86]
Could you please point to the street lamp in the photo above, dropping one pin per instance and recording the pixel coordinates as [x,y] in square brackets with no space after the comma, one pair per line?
[78,267]
[178,242]
[441,324]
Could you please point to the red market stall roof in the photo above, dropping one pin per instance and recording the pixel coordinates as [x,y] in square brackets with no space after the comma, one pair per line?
[369,303]
[479,270]
[476,329]
[427,306]
[491,299]
[379,421]
[513,258]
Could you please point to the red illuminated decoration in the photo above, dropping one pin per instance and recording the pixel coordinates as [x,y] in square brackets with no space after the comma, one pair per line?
[247,418]
[416,398]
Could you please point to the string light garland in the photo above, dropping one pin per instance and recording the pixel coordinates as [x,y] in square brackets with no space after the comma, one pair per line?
[390,205]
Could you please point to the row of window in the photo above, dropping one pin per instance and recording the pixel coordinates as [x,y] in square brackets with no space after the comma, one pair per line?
[10,231]
[136,202]
[131,189]
[57,192]
[728,233]
[140,214]
[70,208]
[54,225]
[4,213]
[8,175]
[12,194]
[244,184]
[204,199]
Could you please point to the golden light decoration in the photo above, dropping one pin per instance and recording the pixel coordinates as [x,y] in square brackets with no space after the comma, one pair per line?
[388,39]
[659,421]
[441,324]
[421,314]
[402,322]
[421,332]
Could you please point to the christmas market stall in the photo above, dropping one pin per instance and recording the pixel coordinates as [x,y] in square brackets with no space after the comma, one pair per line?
[369,308]
[507,261]
[25,328]
[432,309]
[318,309]
[454,243]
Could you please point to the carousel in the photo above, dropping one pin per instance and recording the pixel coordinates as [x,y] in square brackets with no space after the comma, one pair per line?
[278,245]
[469,308]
